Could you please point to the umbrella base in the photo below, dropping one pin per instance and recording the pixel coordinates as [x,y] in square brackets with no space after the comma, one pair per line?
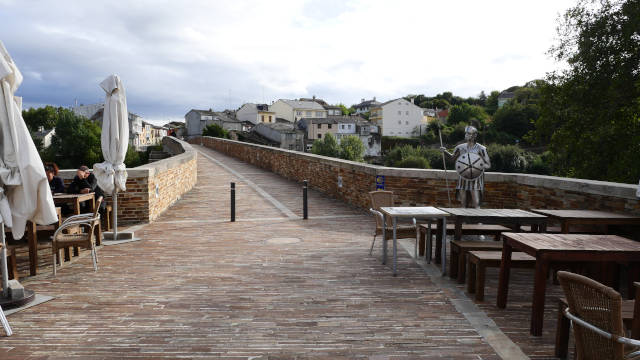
[8,303]
[124,235]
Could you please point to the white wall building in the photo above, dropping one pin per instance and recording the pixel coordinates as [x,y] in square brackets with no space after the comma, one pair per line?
[256,113]
[397,117]
[293,110]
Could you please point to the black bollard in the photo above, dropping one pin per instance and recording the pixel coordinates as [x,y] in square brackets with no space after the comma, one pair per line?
[233,202]
[305,210]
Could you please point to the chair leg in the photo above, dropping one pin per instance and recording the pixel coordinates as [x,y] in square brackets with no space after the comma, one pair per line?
[94,258]
[5,323]
[372,243]
[54,261]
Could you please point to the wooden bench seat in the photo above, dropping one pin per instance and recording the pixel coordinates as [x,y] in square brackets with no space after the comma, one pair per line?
[467,229]
[458,256]
[479,261]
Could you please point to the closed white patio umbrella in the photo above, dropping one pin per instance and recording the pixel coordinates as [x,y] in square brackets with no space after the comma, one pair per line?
[24,189]
[112,173]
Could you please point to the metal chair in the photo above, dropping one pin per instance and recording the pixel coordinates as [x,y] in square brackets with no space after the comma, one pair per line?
[382,198]
[86,223]
[596,313]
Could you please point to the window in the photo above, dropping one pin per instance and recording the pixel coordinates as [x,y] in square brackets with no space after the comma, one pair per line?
[270,118]
[319,114]
[407,113]
[262,118]
[206,117]
[319,126]
[309,113]
[290,146]
[342,127]
[328,126]
[406,123]
[299,113]
[319,136]
[399,122]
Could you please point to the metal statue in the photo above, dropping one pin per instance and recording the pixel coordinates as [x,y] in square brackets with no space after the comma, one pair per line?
[471,160]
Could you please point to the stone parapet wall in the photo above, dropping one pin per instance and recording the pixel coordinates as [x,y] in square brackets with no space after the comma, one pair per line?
[153,187]
[428,187]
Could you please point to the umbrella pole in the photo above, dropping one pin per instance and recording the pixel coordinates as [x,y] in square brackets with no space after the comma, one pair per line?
[115,214]
[3,258]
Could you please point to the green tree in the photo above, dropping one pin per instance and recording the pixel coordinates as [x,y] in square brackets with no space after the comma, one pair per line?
[352,148]
[215,130]
[590,111]
[492,102]
[515,119]
[464,113]
[46,117]
[76,142]
[327,146]
[132,158]
[345,110]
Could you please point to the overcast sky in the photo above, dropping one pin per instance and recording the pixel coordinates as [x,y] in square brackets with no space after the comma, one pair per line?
[177,55]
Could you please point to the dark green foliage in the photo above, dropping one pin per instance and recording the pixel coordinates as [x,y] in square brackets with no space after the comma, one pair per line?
[46,117]
[345,110]
[133,158]
[351,148]
[465,113]
[76,142]
[513,159]
[391,142]
[434,157]
[515,119]
[413,162]
[407,156]
[215,130]
[590,112]
[326,147]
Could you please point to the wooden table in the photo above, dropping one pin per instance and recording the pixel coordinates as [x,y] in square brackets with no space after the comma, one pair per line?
[548,248]
[75,200]
[513,218]
[427,212]
[566,218]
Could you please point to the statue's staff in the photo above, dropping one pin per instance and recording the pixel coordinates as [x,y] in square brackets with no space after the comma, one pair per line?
[444,163]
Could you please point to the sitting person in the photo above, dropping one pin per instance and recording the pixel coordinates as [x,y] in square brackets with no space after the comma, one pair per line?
[55,183]
[83,183]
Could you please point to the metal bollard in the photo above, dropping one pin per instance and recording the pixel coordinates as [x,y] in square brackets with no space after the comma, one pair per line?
[305,210]
[233,202]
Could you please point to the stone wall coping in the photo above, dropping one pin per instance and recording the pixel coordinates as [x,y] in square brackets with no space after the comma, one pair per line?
[627,191]
[151,169]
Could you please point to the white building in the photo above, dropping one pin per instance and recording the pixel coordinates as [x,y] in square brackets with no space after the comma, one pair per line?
[366,106]
[256,113]
[397,117]
[294,110]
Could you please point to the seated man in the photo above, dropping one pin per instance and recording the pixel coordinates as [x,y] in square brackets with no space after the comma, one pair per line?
[83,183]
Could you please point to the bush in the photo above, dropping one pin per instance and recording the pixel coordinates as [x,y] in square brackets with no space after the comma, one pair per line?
[434,156]
[413,161]
[215,130]
[326,147]
[352,148]
[405,155]
[506,158]
[132,158]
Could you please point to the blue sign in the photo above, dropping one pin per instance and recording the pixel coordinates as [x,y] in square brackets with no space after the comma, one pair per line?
[379,182]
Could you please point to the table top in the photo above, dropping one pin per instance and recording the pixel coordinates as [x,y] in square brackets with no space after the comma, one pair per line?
[493,213]
[585,214]
[62,196]
[413,211]
[544,242]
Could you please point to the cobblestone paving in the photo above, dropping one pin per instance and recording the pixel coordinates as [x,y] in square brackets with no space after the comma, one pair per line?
[269,286]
